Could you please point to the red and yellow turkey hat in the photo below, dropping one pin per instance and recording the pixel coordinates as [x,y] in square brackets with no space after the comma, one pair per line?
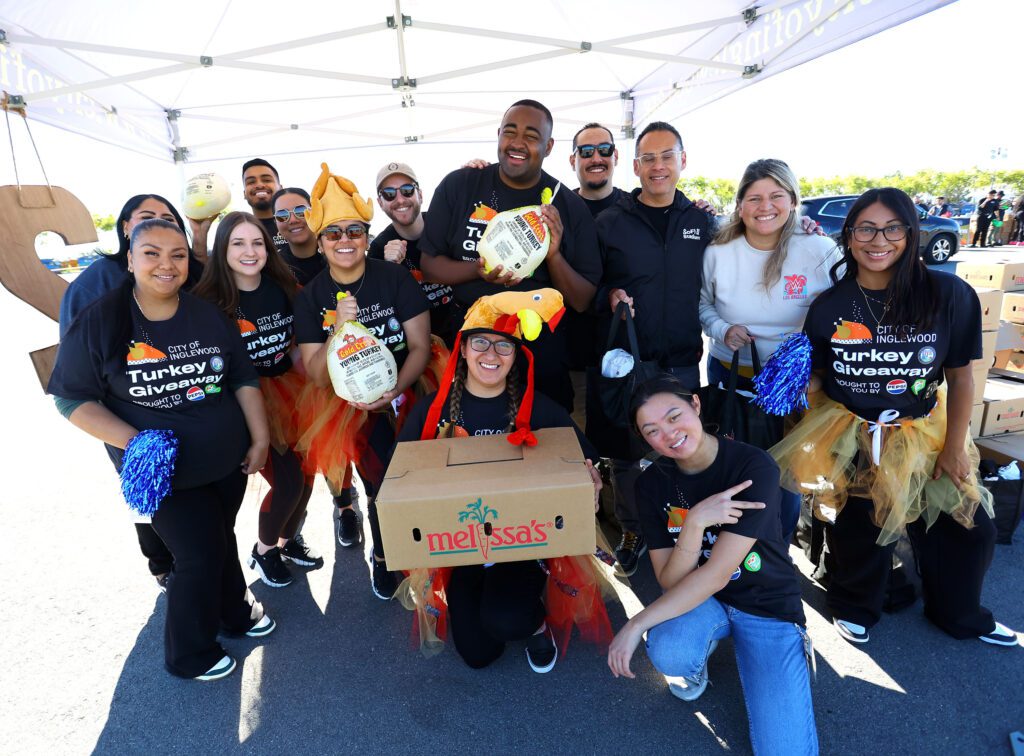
[520,315]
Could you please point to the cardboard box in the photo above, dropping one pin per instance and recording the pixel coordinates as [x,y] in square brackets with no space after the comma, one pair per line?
[1002,449]
[977,418]
[1006,276]
[1004,406]
[991,308]
[1012,309]
[980,377]
[988,347]
[477,500]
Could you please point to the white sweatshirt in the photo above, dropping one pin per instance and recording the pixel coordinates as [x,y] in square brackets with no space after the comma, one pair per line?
[731,292]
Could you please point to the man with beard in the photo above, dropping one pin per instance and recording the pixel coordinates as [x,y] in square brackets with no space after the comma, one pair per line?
[458,215]
[400,197]
[594,157]
[260,183]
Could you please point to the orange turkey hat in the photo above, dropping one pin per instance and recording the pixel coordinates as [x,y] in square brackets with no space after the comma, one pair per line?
[520,315]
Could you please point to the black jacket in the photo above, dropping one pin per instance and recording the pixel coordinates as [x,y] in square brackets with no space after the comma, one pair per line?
[663,276]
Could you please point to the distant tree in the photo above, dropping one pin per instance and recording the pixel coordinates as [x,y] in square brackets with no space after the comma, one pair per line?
[104,222]
[721,193]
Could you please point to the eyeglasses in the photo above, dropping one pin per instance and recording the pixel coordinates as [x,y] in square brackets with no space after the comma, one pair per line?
[388,193]
[482,344]
[299,211]
[334,233]
[605,149]
[865,234]
[649,158]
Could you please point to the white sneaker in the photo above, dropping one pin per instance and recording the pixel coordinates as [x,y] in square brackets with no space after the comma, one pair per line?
[851,631]
[1000,635]
[223,668]
[691,688]
[264,627]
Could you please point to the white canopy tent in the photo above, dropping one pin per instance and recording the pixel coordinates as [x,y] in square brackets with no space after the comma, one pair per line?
[202,80]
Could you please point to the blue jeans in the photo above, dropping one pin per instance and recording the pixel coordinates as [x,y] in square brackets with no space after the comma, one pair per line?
[772,662]
[789,506]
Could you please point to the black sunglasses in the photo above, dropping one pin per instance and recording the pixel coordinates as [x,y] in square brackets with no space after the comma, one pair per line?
[605,149]
[334,233]
[388,193]
[299,211]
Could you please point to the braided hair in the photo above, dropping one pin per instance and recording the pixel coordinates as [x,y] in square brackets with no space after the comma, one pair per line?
[455,398]
[514,393]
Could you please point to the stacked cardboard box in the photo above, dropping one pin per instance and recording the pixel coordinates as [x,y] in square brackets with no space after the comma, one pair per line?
[998,396]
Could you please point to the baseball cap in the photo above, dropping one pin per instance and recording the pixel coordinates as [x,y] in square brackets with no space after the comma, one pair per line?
[393,168]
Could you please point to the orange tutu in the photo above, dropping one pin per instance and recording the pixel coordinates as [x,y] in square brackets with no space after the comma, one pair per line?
[573,597]
[281,395]
[330,429]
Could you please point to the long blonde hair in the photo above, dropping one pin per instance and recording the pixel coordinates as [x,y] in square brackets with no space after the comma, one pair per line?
[781,174]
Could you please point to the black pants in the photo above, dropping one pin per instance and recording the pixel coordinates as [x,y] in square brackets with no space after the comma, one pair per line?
[155,550]
[207,592]
[371,466]
[981,231]
[491,605]
[952,561]
[284,505]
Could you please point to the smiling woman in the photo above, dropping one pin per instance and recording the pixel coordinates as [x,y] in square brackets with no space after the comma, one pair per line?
[898,454]
[388,302]
[148,356]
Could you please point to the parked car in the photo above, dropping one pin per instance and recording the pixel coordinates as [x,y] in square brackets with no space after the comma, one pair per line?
[940,237]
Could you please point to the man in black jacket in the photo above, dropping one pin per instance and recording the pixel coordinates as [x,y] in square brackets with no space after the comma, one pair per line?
[652,250]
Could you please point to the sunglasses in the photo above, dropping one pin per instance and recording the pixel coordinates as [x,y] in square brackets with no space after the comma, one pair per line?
[334,233]
[388,193]
[482,344]
[605,149]
[299,211]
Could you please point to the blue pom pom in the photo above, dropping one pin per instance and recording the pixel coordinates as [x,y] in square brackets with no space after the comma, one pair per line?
[782,383]
[147,469]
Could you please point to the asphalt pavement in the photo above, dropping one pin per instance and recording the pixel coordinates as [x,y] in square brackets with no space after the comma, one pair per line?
[81,645]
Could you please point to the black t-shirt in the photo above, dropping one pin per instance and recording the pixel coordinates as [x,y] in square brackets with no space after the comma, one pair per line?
[265,320]
[459,212]
[765,583]
[279,241]
[656,216]
[387,294]
[870,368]
[596,206]
[176,374]
[440,296]
[489,417]
[305,269]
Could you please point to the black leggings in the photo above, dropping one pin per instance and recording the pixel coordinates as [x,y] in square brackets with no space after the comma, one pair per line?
[981,231]
[491,605]
[285,503]
[155,550]
[207,591]
[952,560]
[371,465]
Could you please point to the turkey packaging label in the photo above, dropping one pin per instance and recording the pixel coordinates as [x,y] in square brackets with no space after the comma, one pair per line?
[362,369]
[517,240]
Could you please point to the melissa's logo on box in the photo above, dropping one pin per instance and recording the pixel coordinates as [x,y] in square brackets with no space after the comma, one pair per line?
[483,536]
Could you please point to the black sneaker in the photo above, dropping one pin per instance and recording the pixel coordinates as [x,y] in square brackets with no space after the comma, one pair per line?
[348,527]
[541,651]
[272,570]
[298,552]
[630,549]
[383,581]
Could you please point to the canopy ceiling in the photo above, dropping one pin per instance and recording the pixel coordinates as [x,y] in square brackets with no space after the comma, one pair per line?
[216,79]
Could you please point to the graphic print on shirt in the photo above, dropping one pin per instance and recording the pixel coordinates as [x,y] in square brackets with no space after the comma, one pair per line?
[890,354]
[186,373]
[477,223]
[267,341]
[676,516]
[796,287]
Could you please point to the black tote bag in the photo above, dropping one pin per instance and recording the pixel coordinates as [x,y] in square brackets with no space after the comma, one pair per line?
[731,414]
[608,398]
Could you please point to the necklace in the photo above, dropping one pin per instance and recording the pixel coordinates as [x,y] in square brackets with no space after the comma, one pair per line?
[145,334]
[868,300]
[359,288]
